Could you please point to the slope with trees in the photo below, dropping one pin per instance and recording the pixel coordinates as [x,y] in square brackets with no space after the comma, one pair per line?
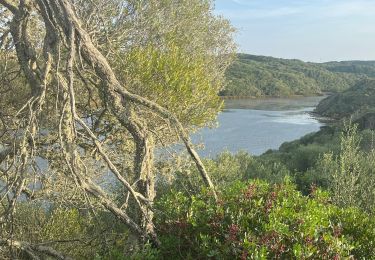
[353,67]
[354,102]
[259,76]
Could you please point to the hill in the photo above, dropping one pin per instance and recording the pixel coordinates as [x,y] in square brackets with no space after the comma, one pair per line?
[353,67]
[357,103]
[257,76]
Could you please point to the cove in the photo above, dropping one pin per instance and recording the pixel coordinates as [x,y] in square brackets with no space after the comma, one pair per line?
[257,125]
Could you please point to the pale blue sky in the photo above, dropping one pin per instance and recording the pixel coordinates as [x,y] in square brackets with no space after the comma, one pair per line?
[311,30]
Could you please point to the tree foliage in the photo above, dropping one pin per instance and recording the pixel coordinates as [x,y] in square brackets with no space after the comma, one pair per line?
[356,102]
[351,174]
[90,89]
[260,76]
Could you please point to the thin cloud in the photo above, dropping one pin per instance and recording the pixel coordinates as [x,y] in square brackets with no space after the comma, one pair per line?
[350,8]
[259,9]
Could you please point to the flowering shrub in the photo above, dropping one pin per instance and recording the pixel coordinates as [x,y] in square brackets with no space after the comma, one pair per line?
[256,220]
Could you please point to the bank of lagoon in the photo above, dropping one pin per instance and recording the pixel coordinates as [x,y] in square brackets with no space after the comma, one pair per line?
[257,125]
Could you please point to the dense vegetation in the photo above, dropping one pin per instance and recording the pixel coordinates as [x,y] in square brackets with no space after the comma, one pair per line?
[356,102]
[263,211]
[353,67]
[256,220]
[257,76]
[90,88]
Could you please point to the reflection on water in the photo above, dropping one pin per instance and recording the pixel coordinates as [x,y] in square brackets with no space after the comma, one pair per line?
[246,125]
[273,104]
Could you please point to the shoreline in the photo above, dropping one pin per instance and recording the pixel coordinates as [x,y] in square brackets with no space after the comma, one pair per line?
[274,97]
[273,104]
[323,119]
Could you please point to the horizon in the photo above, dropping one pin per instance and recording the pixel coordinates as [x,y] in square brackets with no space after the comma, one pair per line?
[311,31]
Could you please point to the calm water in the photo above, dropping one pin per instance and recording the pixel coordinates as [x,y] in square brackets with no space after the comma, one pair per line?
[258,125]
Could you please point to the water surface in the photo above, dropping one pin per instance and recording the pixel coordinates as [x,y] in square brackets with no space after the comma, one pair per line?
[257,125]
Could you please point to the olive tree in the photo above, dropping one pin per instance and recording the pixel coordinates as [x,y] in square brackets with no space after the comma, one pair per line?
[90,89]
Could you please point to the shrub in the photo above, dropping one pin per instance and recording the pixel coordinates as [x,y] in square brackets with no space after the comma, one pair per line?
[256,220]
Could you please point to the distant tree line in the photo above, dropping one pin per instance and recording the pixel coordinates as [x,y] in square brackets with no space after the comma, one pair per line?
[259,76]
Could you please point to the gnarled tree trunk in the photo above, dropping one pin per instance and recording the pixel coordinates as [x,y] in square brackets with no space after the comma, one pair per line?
[67,42]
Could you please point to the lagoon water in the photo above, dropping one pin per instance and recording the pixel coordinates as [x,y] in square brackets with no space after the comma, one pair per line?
[257,125]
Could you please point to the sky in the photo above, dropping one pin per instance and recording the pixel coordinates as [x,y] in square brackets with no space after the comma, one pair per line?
[310,30]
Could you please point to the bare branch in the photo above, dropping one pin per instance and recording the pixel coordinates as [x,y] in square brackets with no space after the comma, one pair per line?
[93,56]
[34,250]
[7,4]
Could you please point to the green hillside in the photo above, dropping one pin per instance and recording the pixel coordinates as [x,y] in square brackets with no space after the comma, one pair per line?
[258,76]
[356,102]
[352,67]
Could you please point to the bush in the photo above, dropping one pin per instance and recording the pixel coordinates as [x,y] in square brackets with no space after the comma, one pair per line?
[256,220]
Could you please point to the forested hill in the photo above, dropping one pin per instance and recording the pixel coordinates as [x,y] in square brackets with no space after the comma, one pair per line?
[354,67]
[258,76]
[358,102]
